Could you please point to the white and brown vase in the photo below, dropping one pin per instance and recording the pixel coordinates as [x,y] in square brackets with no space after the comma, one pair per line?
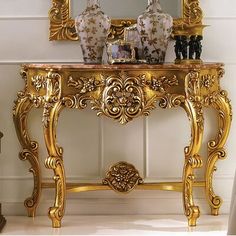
[154,27]
[92,27]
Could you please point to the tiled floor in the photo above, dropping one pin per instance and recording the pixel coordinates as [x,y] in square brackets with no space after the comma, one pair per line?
[117,225]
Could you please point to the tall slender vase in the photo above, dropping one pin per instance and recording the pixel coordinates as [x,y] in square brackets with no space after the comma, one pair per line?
[92,27]
[154,27]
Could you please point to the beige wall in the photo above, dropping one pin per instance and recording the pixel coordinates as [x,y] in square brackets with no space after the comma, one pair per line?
[154,145]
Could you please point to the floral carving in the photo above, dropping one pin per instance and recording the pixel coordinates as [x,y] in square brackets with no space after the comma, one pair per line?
[208,81]
[39,81]
[163,83]
[83,84]
[122,177]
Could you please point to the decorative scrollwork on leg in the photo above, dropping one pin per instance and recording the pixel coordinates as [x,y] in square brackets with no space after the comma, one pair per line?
[192,160]
[55,162]
[193,108]
[216,151]
[22,107]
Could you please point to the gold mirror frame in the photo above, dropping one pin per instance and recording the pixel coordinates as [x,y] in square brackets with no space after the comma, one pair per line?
[62,25]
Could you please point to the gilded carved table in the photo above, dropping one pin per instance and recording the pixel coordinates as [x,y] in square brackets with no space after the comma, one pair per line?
[122,92]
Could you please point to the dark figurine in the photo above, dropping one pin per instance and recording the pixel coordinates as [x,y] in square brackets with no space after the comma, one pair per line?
[192,46]
[184,47]
[198,47]
[178,47]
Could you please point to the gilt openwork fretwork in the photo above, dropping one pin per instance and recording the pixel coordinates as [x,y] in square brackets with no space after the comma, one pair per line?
[123,93]
[122,177]
[62,25]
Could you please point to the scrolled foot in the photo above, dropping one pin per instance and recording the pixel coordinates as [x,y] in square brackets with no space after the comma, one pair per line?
[193,215]
[55,214]
[215,205]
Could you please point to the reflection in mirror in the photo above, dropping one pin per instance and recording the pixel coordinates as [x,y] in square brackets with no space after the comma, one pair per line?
[127,8]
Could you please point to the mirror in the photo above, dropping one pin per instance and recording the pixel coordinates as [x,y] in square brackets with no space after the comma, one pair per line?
[125,8]
[188,21]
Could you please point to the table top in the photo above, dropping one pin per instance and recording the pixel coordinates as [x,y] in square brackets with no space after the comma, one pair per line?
[82,66]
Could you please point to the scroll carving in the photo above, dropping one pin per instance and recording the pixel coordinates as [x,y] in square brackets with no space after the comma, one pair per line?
[122,98]
[62,26]
[171,100]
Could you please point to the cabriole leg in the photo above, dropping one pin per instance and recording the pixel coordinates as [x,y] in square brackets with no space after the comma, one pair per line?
[29,152]
[216,149]
[192,159]
[54,161]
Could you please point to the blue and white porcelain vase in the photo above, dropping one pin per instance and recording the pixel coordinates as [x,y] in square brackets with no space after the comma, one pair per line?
[154,27]
[92,27]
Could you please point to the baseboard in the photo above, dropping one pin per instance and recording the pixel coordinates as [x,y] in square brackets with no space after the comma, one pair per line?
[115,206]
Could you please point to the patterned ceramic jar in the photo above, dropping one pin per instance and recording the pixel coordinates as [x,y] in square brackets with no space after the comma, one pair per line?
[155,28]
[92,27]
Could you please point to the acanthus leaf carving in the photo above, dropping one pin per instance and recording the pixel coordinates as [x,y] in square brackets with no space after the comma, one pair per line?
[62,26]
[53,95]
[193,93]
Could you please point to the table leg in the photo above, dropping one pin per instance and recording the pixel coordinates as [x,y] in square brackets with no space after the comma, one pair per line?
[30,150]
[2,219]
[54,161]
[216,149]
[192,158]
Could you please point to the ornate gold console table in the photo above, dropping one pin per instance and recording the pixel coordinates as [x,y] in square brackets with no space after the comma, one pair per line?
[122,92]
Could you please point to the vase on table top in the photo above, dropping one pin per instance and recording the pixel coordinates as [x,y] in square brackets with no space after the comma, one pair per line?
[92,27]
[154,27]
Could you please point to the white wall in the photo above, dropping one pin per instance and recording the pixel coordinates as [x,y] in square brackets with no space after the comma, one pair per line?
[154,145]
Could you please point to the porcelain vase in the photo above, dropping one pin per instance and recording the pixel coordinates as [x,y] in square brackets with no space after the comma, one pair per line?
[154,27]
[92,27]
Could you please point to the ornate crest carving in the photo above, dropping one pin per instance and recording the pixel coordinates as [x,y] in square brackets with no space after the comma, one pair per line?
[122,177]
[123,97]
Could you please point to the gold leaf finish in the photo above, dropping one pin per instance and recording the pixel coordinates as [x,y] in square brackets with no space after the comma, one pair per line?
[122,177]
[122,98]
[122,93]
[29,152]
[219,101]
[62,26]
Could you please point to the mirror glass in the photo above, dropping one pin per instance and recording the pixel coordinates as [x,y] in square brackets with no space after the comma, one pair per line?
[127,8]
